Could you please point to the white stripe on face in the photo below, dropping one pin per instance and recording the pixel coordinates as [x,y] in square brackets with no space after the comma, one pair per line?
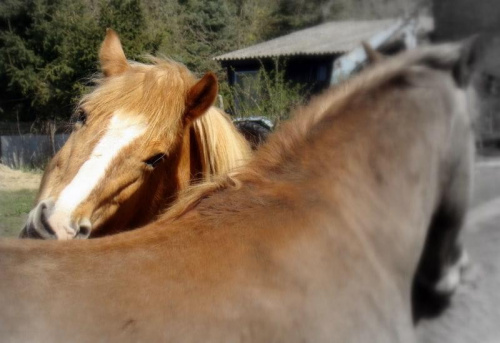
[121,132]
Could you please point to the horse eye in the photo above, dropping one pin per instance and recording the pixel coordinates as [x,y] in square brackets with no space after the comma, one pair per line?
[81,116]
[155,160]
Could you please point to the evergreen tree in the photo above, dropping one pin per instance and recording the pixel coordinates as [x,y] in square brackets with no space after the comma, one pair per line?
[292,15]
[251,21]
[206,32]
[128,18]
[48,48]
[45,49]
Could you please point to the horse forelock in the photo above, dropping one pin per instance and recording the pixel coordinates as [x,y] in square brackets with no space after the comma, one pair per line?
[153,91]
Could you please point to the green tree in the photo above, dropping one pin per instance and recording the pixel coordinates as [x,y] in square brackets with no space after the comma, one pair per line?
[130,20]
[250,21]
[293,15]
[46,49]
[205,32]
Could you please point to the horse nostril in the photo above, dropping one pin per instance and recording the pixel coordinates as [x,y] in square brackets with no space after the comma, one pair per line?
[50,233]
[37,225]
[84,228]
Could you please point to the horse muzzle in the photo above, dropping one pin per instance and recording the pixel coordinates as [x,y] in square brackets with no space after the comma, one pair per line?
[44,222]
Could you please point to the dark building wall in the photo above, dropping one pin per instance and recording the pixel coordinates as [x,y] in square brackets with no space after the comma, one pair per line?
[310,70]
[455,19]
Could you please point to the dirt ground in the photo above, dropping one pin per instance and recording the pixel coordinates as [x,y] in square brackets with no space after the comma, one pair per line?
[14,180]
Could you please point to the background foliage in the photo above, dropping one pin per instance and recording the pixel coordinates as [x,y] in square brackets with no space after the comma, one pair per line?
[266,94]
[48,48]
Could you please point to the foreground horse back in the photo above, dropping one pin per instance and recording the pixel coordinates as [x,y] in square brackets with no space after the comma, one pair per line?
[318,239]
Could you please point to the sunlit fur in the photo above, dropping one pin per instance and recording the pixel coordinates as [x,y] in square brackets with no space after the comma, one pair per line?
[131,194]
[316,239]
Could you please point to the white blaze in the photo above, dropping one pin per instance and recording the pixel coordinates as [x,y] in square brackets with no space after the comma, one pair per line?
[121,131]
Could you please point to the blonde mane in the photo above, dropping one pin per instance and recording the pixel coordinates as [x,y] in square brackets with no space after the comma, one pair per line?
[222,147]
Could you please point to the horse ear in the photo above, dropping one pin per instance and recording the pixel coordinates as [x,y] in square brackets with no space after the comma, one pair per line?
[469,59]
[373,55]
[200,97]
[111,55]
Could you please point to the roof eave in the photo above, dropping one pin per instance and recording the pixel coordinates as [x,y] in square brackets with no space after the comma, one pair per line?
[294,54]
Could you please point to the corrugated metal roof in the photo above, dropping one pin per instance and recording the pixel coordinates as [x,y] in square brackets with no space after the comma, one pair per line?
[330,38]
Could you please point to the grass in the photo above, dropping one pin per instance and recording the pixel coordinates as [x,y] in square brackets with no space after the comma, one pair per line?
[14,209]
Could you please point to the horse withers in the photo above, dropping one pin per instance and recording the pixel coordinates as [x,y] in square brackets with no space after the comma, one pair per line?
[318,238]
[142,135]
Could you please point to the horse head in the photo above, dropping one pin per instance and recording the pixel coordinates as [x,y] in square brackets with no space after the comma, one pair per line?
[133,147]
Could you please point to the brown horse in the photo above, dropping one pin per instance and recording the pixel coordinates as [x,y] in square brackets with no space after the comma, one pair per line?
[317,239]
[143,134]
